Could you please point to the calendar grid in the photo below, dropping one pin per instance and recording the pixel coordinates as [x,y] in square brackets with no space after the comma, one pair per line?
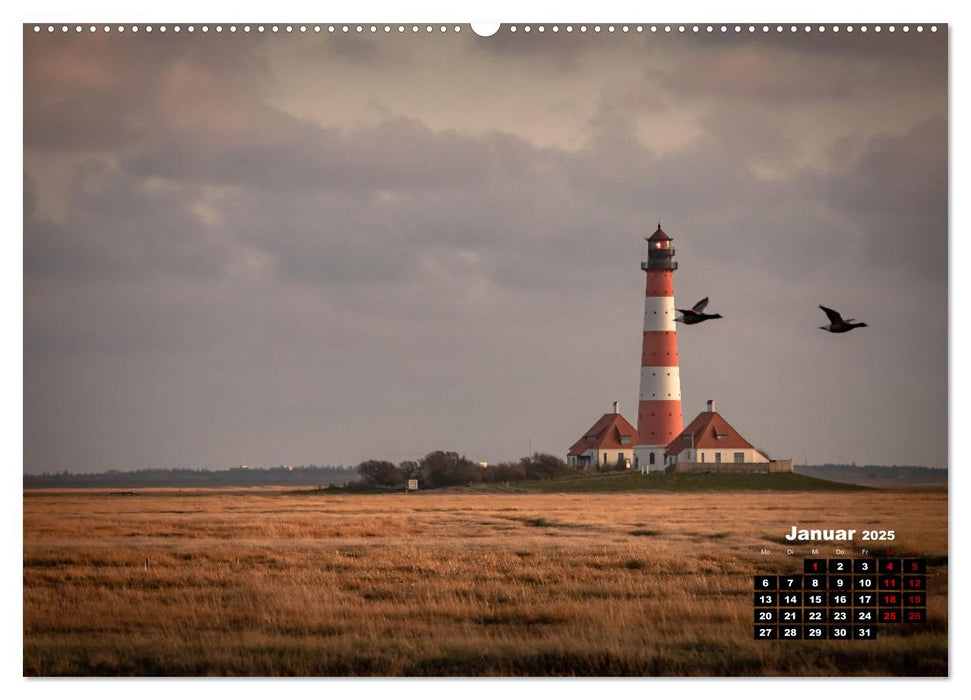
[840,599]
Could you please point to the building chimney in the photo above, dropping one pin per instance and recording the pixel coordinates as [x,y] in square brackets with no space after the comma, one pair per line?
[711,405]
[616,406]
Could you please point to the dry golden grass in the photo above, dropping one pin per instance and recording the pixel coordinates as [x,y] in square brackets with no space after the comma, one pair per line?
[265,582]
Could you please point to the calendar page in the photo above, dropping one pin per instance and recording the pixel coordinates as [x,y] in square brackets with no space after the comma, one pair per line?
[433,349]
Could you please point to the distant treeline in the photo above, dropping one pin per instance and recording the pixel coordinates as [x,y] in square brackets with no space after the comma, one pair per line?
[438,469]
[874,474]
[308,475]
[434,470]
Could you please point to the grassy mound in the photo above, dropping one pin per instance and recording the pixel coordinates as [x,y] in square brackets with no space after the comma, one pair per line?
[612,483]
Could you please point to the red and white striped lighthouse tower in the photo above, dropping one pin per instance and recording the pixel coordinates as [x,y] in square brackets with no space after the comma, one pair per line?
[659,411]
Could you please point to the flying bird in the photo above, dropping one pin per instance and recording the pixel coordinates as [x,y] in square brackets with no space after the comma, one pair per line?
[837,324]
[696,313]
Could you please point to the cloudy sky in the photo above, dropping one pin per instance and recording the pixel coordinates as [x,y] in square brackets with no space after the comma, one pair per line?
[244,249]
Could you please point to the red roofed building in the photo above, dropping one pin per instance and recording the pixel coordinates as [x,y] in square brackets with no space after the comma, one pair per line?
[709,438]
[610,439]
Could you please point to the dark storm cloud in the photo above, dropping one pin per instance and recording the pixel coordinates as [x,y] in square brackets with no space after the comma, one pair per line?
[30,197]
[284,154]
[81,93]
[896,195]
[122,231]
[778,70]
[563,50]
[921,50]
[387,218]
[357,49]
[255,283]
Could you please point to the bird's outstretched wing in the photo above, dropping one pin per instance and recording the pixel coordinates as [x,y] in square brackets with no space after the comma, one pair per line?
[834,316]
[700,306]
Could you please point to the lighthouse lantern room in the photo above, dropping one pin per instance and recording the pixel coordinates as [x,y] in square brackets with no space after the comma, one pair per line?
[659,417]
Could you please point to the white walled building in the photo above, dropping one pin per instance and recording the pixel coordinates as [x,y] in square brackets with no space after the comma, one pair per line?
[609,439]
[709,438]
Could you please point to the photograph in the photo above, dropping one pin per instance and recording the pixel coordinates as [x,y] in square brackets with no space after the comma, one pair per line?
[468,350]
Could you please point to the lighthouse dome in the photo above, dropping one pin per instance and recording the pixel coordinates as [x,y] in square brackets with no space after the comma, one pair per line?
[659,235]
[660,252]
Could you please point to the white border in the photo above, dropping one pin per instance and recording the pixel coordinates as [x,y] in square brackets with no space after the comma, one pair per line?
[520,11]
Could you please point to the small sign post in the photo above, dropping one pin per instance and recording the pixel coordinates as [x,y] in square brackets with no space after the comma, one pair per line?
[412,484]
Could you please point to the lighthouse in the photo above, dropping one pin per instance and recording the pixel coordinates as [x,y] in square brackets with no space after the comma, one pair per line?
[659,417]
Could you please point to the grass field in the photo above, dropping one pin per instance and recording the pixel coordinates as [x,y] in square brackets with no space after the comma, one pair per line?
[269,582]
[621,482]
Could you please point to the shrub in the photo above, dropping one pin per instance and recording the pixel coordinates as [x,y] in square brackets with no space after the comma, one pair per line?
[380,473]
[409,470]
[509,471]
[544,466]
[449,469]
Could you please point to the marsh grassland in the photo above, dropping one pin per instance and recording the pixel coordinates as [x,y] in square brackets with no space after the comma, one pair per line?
[269,582]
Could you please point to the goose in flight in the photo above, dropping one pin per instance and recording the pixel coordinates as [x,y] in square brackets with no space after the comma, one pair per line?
[837,324]
[696,313]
